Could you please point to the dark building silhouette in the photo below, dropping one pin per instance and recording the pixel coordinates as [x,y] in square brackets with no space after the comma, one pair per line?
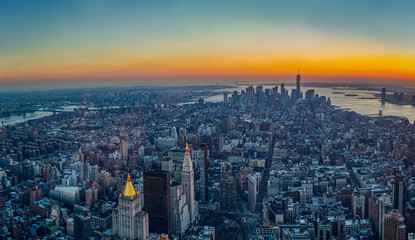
[226,125]
[410,216]
[204,173]
[383,95]
[157,200]
[298,83]
[394,226]
[276,211]
[283,93]
[345,196]
[373,214]
[309,94]
[228,194]
[399,194]
[82,226]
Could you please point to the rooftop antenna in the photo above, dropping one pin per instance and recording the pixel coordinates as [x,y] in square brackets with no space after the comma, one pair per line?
[298,70]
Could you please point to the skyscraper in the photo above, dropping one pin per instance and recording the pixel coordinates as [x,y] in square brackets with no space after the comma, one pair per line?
[399,194]
[124,150]
[180,218]
[128,219]
[385,206]
[383,95]
[82,226]
[174,133]
[250,93]
[157,200]
[226,124]
[358,204]
[252,191]
[410,216]
[189,183]
[309,94]
[228,193]
[259,89]
[282,90]
[373,214]
[203,168]
[298,83]
[91,196]
[394,227]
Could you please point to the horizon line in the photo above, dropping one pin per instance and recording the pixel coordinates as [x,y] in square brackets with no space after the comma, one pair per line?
[60,86]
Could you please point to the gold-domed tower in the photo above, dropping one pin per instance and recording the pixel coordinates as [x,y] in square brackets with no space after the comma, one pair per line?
[128,219]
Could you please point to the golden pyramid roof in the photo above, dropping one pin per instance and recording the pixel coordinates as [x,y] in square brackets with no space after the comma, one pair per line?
[129,188]
[187,149]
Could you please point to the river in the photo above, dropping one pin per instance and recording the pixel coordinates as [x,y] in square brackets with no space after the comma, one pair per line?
[23,118]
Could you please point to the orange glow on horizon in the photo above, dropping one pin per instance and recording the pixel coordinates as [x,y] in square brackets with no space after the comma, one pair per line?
[392,67]
[143,39]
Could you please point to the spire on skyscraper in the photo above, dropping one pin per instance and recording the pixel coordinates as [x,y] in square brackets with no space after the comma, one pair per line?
[187,162]
[298,83]
[129,188]
[188,183]
[129,221]
[187,149]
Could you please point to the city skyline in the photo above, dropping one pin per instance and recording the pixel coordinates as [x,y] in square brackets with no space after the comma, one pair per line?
[145,42]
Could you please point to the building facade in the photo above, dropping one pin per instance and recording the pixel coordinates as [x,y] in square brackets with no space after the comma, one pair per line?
[129,220]
[394,227]
[188,183]
[180,216]
[157,200]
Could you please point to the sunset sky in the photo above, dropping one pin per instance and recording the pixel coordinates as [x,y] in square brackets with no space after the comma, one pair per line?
[59,40]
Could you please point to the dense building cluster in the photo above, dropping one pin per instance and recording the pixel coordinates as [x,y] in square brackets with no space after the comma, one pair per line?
[261,164]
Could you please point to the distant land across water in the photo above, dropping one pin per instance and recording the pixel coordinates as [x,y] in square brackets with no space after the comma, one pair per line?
[355,97]
[70,84]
